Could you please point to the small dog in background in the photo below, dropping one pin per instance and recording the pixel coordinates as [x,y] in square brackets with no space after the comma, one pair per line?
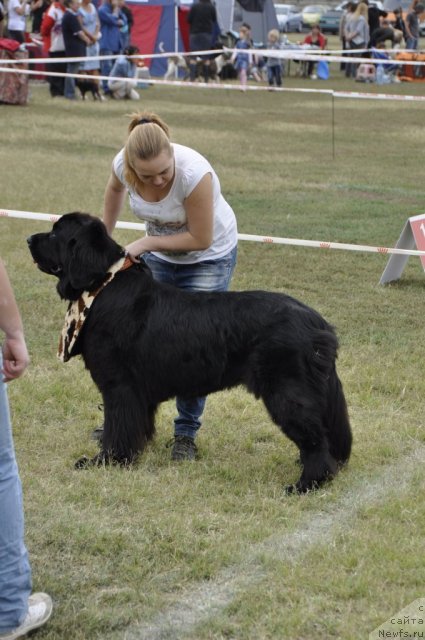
[174,63]
[88,86]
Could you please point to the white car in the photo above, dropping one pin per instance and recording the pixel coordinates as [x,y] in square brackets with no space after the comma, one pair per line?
[289,18]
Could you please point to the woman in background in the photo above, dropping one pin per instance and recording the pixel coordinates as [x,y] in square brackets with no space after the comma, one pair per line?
[91,27]
[357,34]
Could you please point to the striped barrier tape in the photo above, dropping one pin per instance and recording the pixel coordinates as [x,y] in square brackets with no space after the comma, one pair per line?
[10,213]
[230,86]
[290,54]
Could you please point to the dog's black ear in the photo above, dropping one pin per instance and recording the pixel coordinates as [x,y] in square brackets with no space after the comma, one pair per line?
[91,252]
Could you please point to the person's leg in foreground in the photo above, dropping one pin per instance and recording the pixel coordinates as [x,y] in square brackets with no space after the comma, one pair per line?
[20,612]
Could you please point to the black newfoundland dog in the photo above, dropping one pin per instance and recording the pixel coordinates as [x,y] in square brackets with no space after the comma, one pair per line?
[145,342]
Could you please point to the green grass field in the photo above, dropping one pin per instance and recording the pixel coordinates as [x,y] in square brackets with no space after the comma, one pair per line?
[215,550]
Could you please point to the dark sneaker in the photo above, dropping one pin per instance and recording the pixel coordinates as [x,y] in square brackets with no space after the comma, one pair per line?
[184,448]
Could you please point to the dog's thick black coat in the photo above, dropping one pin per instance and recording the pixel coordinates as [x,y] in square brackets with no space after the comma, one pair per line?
[145,342]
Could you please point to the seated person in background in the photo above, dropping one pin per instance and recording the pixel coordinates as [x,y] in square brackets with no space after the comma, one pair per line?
[316,40]
[126,68]
[385,73]
[385,32]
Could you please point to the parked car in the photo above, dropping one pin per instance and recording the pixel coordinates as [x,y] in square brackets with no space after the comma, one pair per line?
[329,21]
[289,18]
[312,14]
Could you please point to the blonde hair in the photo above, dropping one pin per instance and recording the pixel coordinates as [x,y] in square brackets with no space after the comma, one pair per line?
[148,137]
[362,10]
[273,34]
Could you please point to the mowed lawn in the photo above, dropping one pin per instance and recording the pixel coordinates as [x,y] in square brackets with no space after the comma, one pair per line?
[215,549]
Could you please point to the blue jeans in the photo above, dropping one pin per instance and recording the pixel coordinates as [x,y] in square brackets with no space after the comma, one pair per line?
[106,68]
[274,75]
[412,43]
[15,570]
[210,275]
[69,91]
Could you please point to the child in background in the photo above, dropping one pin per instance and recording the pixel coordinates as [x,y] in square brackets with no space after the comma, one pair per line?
[241,59]
[274,65]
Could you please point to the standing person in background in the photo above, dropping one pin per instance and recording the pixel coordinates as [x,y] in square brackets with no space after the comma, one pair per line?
[2,17]
[20,612]
[18,11]
[254,61]
[111,20]
[357,34]
[202,19]
[38,7]
[346,15]
[191,234]
[75,44]
[51,30]
[240,58]
[91,26]
[412,27]
[374,15]
[399,22]
[274,65]
[126,29]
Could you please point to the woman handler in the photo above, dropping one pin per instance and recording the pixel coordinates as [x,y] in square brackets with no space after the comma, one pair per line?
[191,232]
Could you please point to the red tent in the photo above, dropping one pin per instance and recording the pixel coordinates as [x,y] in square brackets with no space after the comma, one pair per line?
[160,26]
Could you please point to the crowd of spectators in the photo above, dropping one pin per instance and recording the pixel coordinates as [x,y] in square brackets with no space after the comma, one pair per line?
[82,29]
[88,29]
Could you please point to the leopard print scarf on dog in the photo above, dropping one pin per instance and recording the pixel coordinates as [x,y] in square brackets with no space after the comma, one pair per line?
[78,311]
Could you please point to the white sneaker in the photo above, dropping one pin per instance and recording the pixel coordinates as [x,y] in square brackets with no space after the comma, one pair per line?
[39,611]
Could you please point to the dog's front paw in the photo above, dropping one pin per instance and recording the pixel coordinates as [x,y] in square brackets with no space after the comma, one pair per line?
[99,460]
[83,463]
[300,487]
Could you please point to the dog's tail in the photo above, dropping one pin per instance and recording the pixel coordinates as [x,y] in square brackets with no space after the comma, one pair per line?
[336,420]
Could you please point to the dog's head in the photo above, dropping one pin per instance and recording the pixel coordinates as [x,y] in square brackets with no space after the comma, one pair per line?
[78,251]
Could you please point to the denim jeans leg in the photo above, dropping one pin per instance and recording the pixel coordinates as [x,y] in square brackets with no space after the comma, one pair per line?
[15,570]
[105,68]
[72,67]
[210,275]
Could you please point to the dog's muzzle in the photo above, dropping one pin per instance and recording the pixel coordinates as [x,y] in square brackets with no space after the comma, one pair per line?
[54,270]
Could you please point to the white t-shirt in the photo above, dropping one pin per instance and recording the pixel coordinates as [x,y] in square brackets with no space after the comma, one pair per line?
[168,216]
[15,21]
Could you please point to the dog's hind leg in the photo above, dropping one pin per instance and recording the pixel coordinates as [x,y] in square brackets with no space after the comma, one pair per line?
[336,420]
[129,424]
[298,412]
